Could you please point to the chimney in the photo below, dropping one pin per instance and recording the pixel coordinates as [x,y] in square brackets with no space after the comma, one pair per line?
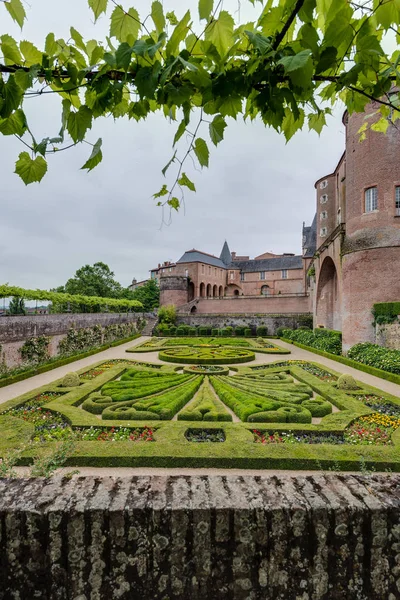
[233,255]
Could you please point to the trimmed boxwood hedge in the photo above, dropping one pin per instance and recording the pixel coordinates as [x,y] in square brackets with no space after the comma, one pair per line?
[322,339]
[203,356]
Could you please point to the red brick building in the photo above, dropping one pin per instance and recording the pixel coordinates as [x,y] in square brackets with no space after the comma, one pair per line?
[353,247]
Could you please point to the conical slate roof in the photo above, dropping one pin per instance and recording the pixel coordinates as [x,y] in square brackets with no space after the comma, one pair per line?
[226,255]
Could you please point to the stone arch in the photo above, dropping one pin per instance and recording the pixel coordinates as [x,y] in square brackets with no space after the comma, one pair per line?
[221,291]
[202,290]
[208,294]
[236,292]
[265,290]
[328,307]
[193,310]
[215,291]
[233,290]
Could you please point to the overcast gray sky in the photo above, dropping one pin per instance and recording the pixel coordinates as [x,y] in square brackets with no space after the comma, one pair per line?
[256,193]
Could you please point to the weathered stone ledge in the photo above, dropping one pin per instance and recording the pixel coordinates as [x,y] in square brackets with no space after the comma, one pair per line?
[151,538]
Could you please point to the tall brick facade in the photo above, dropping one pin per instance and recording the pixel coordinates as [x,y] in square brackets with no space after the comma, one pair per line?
[358,232]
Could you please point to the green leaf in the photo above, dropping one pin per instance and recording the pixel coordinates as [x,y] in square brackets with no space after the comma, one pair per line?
[231,106]
[316,121]
[290,125]
[125,26]
[157,14]
[297,61]
[167,166]
[10,96]
[162,192]
[9,48]
[23,79]
[16,10]
[205,8]
[217,127]
[381,125]
[51,45]
[32,55]
[29,169]
[178,35]
[95,158]
[174,203]
[171,17]
[220,32]
[15,124]
[79,122]
[260,42]
[124,56]
[98,7]
[180,131]
[184,180]
[202,152]
[78,39]
[146,82]
[41,147]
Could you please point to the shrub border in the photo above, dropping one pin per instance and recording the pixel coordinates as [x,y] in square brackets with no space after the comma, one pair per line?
[63,361]
[392,377]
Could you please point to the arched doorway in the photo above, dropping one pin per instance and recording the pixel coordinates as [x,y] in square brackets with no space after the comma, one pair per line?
[236,292]
[265,290]
[209,290]
[215,291]
[221,291]
[202,290]
[190,291]
[327,308]
[193,310]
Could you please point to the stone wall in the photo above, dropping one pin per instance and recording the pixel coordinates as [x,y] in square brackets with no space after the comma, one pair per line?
[388,335]
[321,537]
[252,321]
[15,330]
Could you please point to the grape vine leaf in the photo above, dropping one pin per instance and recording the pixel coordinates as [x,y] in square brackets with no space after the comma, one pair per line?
[157,14]
[30,170]
[202,152]
[96,156]
[15,124]
[79,122]
[98,7]
[16,11]
[205,8]
[217,127]
[184,180]
[125,26]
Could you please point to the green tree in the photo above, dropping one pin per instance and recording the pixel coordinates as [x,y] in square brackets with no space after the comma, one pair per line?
[93,280]
[167,314]
[148,294]
[287,68]
[17,306]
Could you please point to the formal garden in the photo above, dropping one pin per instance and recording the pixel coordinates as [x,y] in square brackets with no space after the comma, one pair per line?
[287,414]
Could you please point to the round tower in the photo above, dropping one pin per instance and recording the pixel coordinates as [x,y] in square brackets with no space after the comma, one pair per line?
[174,289]
[371,246]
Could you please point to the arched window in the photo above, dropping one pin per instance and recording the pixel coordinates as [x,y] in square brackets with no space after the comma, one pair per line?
[265,290]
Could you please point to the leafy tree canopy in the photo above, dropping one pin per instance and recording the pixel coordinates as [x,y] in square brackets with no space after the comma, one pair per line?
[148,294]
[16,306]
[286,68]
[93,280]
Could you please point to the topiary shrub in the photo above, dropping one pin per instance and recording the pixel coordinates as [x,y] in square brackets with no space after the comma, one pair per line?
[214,332]
[239,331]
[172,330]
[280,331]
[70,380]
[204,330]
[347,382]
[247,332]
[318,407]
[262,331]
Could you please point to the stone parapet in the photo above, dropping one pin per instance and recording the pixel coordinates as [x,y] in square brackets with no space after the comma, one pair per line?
[321,537]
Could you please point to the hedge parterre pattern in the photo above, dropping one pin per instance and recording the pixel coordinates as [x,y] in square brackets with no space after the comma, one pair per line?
[206,355]
[303,420]
[255,344]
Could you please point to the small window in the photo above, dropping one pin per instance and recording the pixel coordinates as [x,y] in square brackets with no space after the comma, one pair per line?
[215,271]
[209,270]
[262,275]
[241,276]
[324,199]
[371,199]
[202,269]
[323,232]
[186,273]
[323,184]
[397,200]
[231,274]
[324,214]
[284,273]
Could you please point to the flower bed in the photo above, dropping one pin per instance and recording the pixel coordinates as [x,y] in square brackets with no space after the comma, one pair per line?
[207,370]
[206,356]
[376,356]
[205,435]
[116,434]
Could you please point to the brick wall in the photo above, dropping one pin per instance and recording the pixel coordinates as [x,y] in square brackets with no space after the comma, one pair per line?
[244,305]
[320,537]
